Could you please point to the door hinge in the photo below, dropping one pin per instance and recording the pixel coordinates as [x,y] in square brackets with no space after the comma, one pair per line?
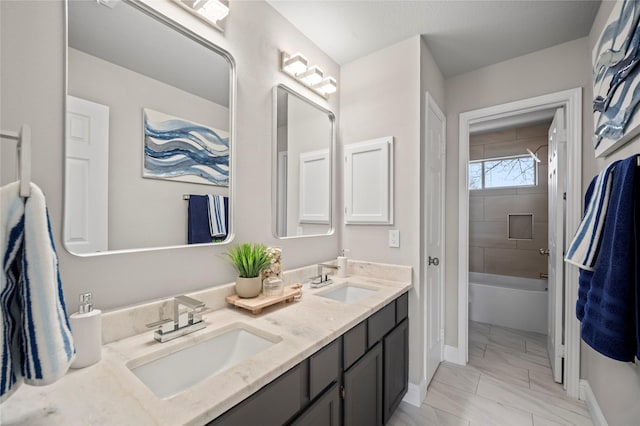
[564,195]
[342,393]
[561,351]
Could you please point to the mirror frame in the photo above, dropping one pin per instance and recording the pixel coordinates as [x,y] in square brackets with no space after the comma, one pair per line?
[181,29]
[274,163]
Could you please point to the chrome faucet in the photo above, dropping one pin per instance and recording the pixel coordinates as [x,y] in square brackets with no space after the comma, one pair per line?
[322,279]
[187,318]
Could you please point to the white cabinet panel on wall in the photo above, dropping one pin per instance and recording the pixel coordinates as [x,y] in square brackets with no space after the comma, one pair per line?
[315,187]
[368,182]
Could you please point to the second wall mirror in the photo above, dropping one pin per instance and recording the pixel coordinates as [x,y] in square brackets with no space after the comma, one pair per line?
[303,149]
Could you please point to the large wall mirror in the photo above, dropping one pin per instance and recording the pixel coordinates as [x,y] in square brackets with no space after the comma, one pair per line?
[148,138]
[303,163]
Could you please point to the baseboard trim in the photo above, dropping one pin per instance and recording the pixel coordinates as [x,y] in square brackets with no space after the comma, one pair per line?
[587,395]
[415,394]
[452,354]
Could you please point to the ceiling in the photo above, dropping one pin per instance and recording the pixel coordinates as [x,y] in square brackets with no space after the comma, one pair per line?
[462,35]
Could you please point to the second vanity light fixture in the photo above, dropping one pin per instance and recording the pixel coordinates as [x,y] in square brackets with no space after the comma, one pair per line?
[297,66]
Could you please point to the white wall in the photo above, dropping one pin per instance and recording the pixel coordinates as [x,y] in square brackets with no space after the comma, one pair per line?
[32,82]
[557,68]
[142,212]
[615,384]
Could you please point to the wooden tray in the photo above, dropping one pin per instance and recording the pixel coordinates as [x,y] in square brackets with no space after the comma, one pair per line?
[256,304]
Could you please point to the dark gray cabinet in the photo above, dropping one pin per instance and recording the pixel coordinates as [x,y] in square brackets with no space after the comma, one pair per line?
[323,412]
[274,404]
[363,390]
[358,379]
[396,368]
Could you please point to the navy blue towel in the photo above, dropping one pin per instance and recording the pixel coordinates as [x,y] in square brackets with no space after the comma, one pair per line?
[198,231]
[608,298]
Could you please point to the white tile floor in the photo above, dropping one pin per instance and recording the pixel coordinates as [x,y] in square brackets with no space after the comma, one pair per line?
[507,382]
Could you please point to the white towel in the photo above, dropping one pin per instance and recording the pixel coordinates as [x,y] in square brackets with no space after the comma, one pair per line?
[36,345]
[583,250]
[217,222]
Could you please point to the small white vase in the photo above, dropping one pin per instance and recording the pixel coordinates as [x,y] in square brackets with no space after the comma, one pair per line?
[248,287]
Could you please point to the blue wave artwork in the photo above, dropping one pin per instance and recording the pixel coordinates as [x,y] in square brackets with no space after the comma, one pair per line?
[179,149]
[616,74]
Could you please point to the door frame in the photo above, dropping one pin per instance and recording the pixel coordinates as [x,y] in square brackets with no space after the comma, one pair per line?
[571,100]
[431,104]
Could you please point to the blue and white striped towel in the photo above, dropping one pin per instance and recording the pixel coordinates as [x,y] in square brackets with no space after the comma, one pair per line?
[583,250]
[36,345]
[217,222]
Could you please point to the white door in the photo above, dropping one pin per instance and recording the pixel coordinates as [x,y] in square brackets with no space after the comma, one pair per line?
[434,162]
[557,161]
[86,176]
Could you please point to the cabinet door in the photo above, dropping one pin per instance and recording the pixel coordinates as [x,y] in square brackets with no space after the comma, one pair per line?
[274,404]
[396,368]
[363,390]
[324,412]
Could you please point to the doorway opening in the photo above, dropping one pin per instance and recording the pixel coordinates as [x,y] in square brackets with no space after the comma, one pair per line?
[505,115]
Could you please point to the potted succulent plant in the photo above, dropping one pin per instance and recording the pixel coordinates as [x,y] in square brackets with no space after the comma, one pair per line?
[248,260]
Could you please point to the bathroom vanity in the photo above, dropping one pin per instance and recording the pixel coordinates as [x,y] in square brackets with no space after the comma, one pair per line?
[339,355]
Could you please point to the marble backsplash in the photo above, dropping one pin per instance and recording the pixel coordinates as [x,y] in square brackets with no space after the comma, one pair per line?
[131,321]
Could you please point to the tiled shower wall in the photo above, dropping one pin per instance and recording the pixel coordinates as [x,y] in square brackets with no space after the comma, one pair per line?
[490,250]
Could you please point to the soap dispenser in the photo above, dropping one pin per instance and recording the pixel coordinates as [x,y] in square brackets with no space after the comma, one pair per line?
[342,263]
[86,328]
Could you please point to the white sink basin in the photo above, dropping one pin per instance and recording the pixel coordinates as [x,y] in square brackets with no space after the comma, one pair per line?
[167,373]
[348,293]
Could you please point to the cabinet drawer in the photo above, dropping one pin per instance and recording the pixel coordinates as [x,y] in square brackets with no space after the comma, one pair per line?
[274,404]
[324,368]
[381,323]
[402,307]
[354,344]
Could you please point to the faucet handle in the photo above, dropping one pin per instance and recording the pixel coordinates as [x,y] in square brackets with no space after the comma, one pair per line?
[164,325]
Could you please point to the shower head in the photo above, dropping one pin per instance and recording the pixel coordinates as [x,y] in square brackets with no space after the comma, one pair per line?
[535,157]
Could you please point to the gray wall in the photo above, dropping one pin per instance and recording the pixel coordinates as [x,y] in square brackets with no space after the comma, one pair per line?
[490,249]
[562,67]
[139,208]
[32,82]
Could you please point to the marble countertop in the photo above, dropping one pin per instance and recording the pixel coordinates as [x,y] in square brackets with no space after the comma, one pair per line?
[109,393]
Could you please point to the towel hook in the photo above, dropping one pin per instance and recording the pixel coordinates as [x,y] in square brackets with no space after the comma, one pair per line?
[23,139]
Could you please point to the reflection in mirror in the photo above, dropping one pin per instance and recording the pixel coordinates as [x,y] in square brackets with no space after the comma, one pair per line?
[303,152]
[148,131]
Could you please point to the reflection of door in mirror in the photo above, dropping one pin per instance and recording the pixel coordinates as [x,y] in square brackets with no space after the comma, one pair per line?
[133,61]
[87,176]
[303,149]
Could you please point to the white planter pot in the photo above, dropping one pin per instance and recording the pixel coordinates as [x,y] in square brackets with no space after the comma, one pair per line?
[248,287]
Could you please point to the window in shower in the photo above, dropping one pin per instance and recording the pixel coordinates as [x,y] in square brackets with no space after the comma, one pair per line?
[503,172]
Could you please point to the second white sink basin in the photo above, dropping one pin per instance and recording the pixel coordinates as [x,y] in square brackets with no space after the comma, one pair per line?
[348,293]
[167,374]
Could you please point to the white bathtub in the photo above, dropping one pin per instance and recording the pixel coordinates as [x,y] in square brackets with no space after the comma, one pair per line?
[506,301]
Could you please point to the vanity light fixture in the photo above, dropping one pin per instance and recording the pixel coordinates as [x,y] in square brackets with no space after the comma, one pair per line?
[294,64]
[212,11]
[313,75]
[327,86]
[297,66]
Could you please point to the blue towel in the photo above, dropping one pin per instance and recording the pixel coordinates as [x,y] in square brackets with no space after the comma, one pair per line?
[198,220]
[36,345]
[608,294]
[583,250]
[217,217]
